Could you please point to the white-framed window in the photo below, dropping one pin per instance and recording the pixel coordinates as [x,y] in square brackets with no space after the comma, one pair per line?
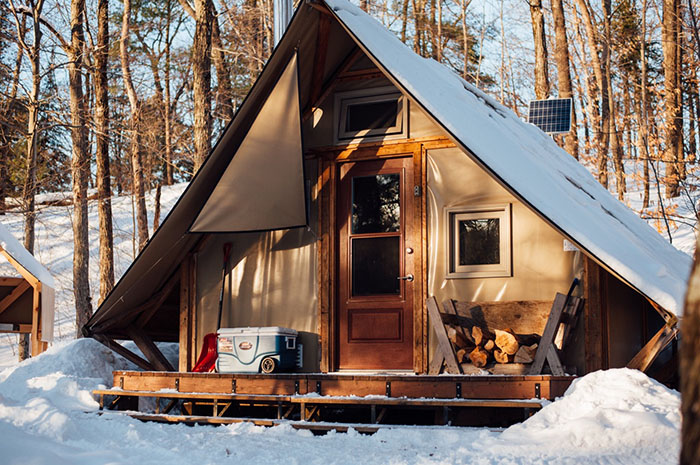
[370,114]
[479,241]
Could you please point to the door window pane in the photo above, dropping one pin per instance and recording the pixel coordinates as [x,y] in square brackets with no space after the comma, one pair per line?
[479,242]
[375,266]
[376,203]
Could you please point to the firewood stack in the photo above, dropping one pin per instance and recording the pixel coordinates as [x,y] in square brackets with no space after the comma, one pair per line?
[481,345]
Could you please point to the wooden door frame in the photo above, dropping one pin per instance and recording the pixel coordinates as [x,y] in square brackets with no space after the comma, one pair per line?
[326,191]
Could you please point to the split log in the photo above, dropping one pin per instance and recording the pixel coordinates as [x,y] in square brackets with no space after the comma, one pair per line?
[502,357]
[481,335]
[489,345]
[457,337]
[469,369]
[509,369]
[479,357]
[525,354]
[509,342]
[462,356]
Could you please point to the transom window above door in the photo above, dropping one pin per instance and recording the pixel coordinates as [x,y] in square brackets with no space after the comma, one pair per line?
[479,241]
[369,114]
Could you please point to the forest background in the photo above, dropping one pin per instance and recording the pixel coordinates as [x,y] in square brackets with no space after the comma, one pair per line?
[103,97]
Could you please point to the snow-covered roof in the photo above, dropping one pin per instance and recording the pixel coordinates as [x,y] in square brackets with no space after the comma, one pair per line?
[528,162]
[24,258]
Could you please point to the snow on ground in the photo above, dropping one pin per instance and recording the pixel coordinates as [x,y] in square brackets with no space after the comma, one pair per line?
[48,416]
[54,250]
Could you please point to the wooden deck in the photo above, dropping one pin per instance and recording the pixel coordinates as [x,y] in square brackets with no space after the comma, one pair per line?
[322,399]
[342,385]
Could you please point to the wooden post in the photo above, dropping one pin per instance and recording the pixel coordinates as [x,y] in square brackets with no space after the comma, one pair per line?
[37,346]
[192,310]
[185,327]
[595,316]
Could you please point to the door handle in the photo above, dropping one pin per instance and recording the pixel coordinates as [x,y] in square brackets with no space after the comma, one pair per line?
[408,277]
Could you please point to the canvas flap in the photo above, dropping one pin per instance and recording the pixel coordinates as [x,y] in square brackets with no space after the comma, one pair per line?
[263,186]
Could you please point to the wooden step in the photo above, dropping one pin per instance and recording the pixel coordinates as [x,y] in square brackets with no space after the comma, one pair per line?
[326,400]
[411,402]
[209,420]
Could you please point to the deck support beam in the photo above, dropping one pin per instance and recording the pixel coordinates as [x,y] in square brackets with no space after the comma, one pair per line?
[123,351]
[645,357]
[149,349]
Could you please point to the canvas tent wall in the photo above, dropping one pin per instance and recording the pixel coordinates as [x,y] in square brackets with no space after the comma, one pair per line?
[26,304]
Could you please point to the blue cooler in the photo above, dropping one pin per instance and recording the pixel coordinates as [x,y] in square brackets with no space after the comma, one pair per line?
[253,350]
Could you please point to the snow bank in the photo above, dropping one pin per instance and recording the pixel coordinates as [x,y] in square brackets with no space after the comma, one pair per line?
[48,416]
[608,410]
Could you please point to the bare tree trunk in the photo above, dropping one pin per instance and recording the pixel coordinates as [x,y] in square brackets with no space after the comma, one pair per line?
[156,214]
[224,92]
[433,28]
[539,36]
[463,4]
[168,171]
[561,56]
[201,82]
[34,53]
[669,41]
[7,105]
[690,369]
[404,20]
[29,189]
[502,69]
[104,190]
[692,132]
[416,26]
[80,168]
[600,109]
[135,104]
[680,145]
[439,30]
[642,107]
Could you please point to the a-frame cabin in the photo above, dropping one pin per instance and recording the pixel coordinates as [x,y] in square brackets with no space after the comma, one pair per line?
[358,180]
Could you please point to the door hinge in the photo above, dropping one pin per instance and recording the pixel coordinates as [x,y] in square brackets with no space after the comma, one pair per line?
[416,191]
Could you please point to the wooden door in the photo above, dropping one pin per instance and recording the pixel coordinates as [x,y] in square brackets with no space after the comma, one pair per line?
[375,265]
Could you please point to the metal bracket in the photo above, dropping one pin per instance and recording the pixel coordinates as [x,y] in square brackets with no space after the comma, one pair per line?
[318,387]
[233,385]
[537,390]
[177,384]
[458,388]
[296,386]
[121,383]
[388,388]
[417,191]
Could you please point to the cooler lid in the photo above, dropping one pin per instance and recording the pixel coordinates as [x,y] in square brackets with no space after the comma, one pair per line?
[258,331]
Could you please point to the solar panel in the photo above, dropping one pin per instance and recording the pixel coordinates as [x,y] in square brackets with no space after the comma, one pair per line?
[553,116]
